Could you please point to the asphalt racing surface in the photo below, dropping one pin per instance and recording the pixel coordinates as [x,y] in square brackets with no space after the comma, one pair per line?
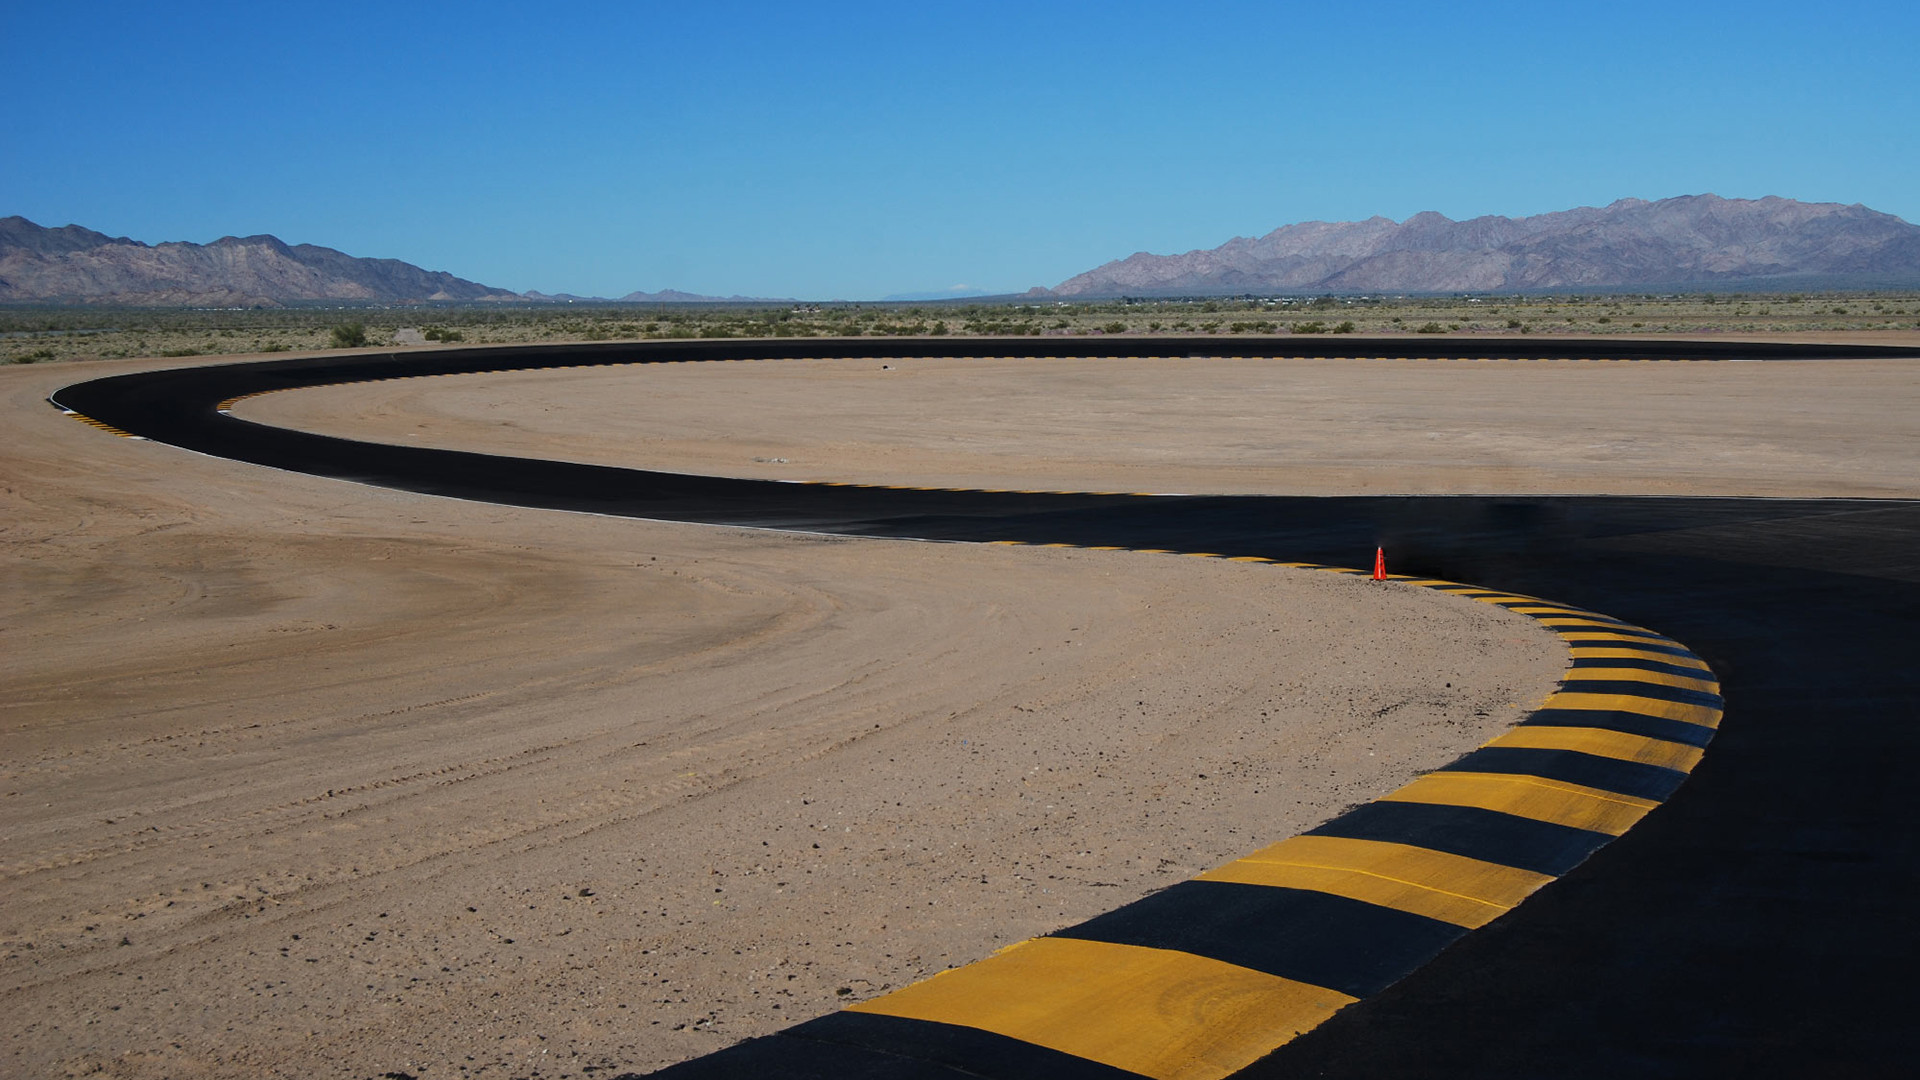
[1760,922]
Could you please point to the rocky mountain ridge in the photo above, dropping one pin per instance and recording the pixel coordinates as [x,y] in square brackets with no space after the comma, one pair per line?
[1698,240]
[76,265]
[73,264]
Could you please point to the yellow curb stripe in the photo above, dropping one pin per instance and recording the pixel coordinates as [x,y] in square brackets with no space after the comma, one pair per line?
[1614,638]
[1602,743]
[1584,622]
[1529,797]
[1452,888]
[1594,652]
[1704,715]
[1655,678]
[1157,1012]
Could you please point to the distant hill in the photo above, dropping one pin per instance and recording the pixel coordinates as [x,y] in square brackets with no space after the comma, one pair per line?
[664,296]
[1697,240]
[675,296]
[77,265]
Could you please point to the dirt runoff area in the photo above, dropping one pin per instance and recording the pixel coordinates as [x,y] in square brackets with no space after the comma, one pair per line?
[1279,426]
[301,778]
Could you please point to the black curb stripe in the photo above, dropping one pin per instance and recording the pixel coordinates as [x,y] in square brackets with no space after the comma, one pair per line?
[1347,945]
[970,1050]
[870,1046]
[907,1052]
[1627,723]
[1586,621]
[1678,694]
[1583,624]
[1487,835]
[1663,646]
[1634,778]
[787,1058]
[1554,611]
[1639,664]
[1581,621]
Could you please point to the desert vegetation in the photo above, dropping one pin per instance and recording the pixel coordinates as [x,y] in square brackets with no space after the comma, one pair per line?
[44,334]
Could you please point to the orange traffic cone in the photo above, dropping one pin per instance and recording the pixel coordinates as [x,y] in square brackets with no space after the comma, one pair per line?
[1379,564]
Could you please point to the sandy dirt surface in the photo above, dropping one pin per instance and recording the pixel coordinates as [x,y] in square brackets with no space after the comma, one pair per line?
[1810,428]
[305,779]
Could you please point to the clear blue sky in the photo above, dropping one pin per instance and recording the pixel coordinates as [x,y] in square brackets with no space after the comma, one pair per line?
[854,150]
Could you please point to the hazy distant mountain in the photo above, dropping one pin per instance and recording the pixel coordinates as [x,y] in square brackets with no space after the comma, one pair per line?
[675,296]
[955,292]
[1700,240]
[664,296]
[77,265]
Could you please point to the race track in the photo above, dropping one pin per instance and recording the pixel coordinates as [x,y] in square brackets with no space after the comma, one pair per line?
[1759,922]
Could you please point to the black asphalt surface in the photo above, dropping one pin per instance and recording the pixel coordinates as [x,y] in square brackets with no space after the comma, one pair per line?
[1761,923]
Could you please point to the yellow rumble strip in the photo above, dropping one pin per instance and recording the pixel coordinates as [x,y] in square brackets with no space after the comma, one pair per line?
[1161,1013]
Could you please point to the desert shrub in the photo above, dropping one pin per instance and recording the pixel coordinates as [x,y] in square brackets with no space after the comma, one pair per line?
[1344,328]
[1310,327]
[350,335]
[1430,328]
[1115,328]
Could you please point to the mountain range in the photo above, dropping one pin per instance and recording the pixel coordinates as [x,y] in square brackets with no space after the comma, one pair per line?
[1700,241]
[73,264]
[77,265]
[1694,241]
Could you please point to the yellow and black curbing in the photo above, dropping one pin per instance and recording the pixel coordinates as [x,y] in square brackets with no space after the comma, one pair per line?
[101,425]
[1199,980]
